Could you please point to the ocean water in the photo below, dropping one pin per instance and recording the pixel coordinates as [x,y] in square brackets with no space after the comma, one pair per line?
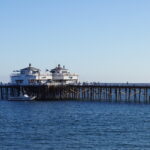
[71,125]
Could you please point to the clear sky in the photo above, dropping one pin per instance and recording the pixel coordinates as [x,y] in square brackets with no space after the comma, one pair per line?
[101,40]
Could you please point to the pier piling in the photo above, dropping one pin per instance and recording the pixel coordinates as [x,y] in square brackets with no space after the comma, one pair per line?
[104,92]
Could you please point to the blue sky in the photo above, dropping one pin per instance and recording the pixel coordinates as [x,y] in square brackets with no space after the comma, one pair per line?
[101,40]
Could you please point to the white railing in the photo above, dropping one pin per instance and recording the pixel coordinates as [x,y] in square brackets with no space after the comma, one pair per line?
[115,84]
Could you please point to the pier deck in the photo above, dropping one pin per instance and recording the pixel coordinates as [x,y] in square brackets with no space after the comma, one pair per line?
[138,93]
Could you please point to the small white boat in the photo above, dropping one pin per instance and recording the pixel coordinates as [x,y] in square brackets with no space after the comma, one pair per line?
[24,97]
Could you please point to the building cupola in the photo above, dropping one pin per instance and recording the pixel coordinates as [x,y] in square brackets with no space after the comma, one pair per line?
[58,65]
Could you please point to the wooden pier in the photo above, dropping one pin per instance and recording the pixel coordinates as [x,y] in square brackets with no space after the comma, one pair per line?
[137,93]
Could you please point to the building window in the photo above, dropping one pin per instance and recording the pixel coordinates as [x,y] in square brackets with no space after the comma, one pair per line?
[31,81]
[22,72]
[19,81]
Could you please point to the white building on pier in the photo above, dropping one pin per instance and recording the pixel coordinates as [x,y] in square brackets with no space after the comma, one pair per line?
[30,75]
[63,76]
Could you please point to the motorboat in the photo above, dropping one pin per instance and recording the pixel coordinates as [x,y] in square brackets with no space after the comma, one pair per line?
[24,97]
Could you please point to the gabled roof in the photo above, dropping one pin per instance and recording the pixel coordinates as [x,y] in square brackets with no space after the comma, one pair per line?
[30,68]
[58,68]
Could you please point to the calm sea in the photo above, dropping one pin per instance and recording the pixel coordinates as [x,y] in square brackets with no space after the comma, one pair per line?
[74,126]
